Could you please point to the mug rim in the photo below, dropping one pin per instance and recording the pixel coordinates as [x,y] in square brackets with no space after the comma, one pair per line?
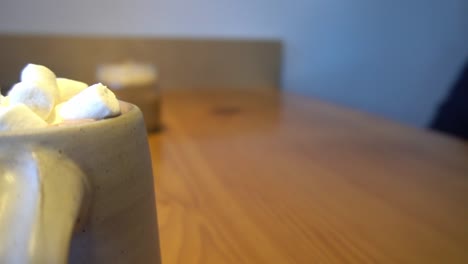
[127,110]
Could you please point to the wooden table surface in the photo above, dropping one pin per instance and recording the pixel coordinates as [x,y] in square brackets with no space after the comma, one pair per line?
[265,177]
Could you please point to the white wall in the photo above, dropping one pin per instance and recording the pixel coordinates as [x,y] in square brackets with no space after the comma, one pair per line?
[394,58]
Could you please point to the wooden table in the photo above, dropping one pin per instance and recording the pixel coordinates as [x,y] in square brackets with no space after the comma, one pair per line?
[265,177]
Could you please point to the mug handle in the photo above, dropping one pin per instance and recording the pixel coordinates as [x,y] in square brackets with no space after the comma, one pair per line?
[42,194]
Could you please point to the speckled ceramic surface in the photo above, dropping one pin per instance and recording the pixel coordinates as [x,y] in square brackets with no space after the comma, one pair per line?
[97,175]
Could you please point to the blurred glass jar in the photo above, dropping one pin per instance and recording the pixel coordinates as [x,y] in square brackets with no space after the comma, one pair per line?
[136,83]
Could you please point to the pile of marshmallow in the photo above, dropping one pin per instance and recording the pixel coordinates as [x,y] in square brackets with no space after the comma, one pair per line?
[42,100]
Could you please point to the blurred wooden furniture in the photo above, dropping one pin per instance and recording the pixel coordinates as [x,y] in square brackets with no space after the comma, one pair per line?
[261,176]
[232,63]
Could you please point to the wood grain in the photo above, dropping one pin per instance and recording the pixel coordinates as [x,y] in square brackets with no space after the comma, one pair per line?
[266,177]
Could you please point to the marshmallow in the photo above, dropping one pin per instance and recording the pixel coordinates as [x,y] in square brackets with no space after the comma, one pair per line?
[38,74]
[95,102]
[127,75]
[37,90]
[54,118]
[69,88]
[40,97]
[4,101]
[19,116]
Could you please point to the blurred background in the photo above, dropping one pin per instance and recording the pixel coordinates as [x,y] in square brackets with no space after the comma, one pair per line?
[397,59]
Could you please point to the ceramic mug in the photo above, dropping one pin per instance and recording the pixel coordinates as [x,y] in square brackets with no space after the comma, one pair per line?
[80,193]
